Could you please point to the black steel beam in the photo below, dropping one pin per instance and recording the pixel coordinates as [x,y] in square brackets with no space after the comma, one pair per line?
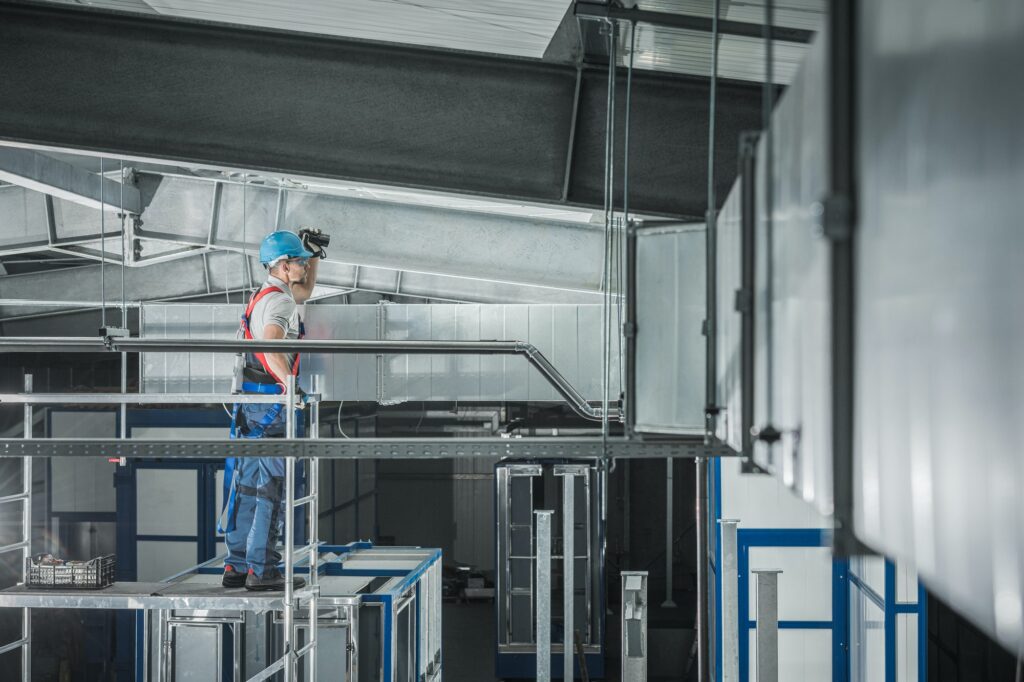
[224,95]
[689,22]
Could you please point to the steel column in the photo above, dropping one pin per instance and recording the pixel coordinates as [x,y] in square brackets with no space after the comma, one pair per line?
[542,580]
[669,544]
[701,524]
[767,625]
[731,616]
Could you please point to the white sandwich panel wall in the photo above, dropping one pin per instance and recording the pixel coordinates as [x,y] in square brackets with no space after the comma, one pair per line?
[940,311]
[728,332]
[792,376]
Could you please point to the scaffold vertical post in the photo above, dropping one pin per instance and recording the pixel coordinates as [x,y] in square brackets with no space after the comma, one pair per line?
[289,537]
[26,552]
[313,509]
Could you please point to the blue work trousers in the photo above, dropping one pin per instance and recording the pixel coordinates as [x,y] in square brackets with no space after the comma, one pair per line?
[258,514]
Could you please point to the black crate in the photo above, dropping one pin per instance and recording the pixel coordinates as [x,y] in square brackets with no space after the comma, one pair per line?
[84,575]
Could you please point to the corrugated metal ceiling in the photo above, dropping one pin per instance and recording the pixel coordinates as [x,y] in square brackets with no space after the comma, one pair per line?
[689,52]
[805,14]
[522,28]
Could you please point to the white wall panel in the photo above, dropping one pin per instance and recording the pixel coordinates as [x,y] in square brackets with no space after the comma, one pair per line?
[791,291]
[157,560]
[867,639]
[805,584]
[167,500]
[907,645]
[804,655]
[940,315]
[759,501]
[79,484]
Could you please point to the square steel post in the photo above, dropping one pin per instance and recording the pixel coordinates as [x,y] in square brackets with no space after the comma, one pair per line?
[634,626]
[730,620]
[668,603]
[543,582]
[767,625]
[568,476]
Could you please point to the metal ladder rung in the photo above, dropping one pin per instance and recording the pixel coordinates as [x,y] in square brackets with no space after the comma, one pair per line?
[305,650]
[270,670]
[304,500]
[14,498]
[13,645]
[17,545]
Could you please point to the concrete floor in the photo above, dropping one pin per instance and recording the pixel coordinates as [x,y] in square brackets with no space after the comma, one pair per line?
[468,642]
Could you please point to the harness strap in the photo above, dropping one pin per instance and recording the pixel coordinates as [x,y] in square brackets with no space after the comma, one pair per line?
[247,332]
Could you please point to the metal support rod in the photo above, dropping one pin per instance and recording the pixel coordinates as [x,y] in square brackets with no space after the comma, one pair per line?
[147,633]
[568,564]
[290,672]
[124,389]
[767,625]
[701,524]
[543,581]
[668,603]
[634,626]
[26,553]
[711,238]
[12,646]
[730,626]
[13,546]
[163,645]
[140,398]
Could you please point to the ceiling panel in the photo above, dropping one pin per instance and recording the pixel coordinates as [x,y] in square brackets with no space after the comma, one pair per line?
[523,28]
[683,51]
[805,14]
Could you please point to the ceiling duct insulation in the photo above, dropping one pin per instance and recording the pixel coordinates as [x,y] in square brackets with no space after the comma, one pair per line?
[567,335]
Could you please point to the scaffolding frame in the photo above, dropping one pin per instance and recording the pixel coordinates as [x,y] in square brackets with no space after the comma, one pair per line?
[292,599]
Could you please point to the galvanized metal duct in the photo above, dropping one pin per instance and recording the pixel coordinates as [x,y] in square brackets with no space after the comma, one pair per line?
[532,354]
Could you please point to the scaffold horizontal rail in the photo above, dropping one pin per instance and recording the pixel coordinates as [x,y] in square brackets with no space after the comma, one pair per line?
[365,448]
[141,398]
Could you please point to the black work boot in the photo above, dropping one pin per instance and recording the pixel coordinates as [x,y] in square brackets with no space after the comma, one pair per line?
[273,580]
[232,578]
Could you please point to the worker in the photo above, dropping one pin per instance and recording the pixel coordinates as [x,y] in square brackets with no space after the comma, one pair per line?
[255,497]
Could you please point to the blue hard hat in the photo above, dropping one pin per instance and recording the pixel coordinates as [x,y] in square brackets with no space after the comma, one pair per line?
[282,244]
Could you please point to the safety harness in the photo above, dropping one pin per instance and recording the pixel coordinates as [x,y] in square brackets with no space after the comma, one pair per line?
[255,380]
